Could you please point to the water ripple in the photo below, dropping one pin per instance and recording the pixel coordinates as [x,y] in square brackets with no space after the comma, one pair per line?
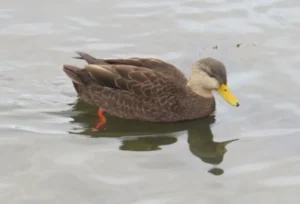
[282,181]
[83,21]
[29,29]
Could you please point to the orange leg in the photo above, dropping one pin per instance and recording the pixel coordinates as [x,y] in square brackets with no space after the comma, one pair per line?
[102,120]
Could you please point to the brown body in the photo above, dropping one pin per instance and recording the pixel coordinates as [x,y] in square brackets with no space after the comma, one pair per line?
[139,88]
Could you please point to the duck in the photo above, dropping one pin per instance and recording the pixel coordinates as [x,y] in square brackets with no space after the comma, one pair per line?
[149,89]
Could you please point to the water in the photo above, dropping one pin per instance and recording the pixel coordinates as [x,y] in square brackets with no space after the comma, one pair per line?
[243,155]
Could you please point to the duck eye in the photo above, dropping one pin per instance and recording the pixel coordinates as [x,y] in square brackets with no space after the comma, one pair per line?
[211,75]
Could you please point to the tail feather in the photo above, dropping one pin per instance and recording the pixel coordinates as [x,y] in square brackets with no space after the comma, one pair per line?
[89,59]
[77,75]
[81,80]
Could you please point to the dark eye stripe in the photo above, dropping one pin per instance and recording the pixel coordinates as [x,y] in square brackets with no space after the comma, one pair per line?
[213,76]
[209,74]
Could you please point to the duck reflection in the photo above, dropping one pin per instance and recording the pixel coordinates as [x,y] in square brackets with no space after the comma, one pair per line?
[143,136]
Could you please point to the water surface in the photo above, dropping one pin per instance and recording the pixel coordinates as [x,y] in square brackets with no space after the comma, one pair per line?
[242,155]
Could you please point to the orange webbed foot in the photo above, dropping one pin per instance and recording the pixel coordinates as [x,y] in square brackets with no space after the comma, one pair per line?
[102,120]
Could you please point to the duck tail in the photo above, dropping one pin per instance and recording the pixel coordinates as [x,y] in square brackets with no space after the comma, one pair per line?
[89,59]
[76,74]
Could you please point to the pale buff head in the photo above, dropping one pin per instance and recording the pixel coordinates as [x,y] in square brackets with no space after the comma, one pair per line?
[209,74]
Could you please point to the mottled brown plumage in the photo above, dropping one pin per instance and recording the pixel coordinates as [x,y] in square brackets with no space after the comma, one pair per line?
[145,88]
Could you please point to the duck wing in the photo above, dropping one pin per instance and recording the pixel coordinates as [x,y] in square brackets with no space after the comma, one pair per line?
[135,92]
[141,81]
[157,65]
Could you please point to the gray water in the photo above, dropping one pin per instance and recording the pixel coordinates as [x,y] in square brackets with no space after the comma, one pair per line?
[49,155]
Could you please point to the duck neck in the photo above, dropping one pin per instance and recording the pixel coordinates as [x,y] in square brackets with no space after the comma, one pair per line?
[200,90]
[196,82]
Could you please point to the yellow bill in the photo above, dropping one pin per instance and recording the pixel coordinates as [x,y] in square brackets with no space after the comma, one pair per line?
[227,95]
